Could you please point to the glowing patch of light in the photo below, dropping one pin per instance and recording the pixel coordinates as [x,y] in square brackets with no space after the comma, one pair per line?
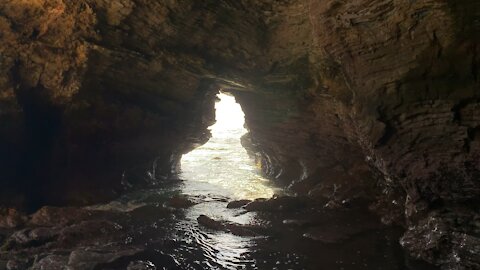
[222,165]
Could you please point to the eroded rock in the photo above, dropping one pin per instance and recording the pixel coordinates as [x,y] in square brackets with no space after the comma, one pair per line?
[86,232]
[28,238]
[51,262]
[11,218]
[445,239]
[18,264]
[59,216]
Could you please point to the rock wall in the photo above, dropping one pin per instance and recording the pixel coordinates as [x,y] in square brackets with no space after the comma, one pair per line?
[391,85]
[371,99]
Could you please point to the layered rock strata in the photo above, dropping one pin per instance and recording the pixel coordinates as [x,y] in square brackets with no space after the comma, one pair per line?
[377,99]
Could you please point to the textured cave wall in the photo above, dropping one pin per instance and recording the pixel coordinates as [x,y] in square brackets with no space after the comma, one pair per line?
[372,99]
[391,85]
[98,95]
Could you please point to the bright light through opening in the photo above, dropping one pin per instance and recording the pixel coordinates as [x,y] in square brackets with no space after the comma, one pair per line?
[222,164]
[229,118]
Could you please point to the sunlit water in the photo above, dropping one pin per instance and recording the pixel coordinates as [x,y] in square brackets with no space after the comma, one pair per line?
[222,164]
[217,172]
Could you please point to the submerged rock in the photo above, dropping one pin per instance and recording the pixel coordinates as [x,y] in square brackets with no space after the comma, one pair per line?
[241,230]
[142,260]
[226,226]
[327,235]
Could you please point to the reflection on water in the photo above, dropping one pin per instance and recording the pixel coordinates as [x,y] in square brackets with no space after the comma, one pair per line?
[221,171]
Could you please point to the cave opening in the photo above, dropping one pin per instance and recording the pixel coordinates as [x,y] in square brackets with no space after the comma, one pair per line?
[222,170]
[223,163]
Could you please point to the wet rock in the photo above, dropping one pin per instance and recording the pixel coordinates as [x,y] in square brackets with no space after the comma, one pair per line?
[59,216]
[43,234]
[51,262]
[275,204]
[443,238]
[11,218]
[31,237]
[89,259]
[88,232]
[259,205]
[238,204]
[179,202]
[116,206]
[18,264]
[210,223]
[150,213]
[234,228]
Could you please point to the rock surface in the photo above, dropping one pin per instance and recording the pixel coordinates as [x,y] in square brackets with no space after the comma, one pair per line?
[362,99]
[11,218]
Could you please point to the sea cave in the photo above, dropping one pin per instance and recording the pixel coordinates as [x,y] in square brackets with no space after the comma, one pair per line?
[239,134]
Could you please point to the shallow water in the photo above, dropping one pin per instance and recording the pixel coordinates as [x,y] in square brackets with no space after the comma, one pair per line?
[218,172]
[179,236]
[222,166]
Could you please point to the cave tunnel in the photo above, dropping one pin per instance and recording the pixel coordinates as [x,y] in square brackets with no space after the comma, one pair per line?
[356,144]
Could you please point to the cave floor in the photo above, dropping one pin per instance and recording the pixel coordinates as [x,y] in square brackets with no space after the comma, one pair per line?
[168,229]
